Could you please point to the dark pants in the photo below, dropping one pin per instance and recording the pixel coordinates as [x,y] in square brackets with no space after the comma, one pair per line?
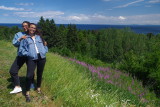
[31,66]
[17,64]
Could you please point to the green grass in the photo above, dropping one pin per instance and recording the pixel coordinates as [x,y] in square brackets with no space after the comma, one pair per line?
[65,83]
[7,56]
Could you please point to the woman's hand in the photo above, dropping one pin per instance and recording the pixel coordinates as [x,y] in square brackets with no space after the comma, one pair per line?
[23,37]
[45,43]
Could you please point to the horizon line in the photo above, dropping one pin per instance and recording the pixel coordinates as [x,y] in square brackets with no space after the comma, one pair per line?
[89,24]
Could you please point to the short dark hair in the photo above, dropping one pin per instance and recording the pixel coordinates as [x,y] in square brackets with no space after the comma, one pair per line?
[26,22]
[33,24]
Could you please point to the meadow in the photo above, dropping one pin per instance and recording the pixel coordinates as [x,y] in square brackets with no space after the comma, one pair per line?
[68,82]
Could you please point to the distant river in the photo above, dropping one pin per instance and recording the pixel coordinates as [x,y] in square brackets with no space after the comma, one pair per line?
[141,29]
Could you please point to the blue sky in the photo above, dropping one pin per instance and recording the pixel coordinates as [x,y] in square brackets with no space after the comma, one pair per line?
[115,12]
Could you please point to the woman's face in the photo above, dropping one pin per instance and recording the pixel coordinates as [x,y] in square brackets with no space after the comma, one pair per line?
[25,26]
[32,29]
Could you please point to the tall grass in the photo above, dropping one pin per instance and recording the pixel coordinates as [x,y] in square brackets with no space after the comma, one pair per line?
[7,55]
[108,76]
[73,85]
[68,84]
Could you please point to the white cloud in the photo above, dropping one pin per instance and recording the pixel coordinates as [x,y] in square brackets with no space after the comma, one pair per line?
[74,18]
[11,8]
[81,17]
[25,4]
[101,19]
[93,19]
[46,14]
[126,5]
[154,1]
[99,16]
[60,17]
[106,18]
[152,19]
[121,18]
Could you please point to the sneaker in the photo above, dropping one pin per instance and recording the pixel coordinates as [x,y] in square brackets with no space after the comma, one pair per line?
[16,90]
[32,86]
[39,91]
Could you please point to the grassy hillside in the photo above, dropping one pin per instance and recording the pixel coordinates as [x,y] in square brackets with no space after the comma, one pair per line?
[8,53]
[65,83]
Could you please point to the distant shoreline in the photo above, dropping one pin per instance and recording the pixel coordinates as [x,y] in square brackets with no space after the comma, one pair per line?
[140,29]
[96,24]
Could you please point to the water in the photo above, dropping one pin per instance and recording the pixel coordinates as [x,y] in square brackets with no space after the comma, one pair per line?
[140,29]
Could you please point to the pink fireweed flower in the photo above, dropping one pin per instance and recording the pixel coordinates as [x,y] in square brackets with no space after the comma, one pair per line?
[92,69]
[106,76]
[78,62]
[109,81]
[112,77]
[84,64]
[72,59]
[101,68]
[100,75]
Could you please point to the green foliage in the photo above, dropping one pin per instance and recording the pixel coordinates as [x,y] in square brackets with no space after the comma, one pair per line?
[72,39]
[152,66]
[63,51]
[145,68]
[48,29]
[7,33]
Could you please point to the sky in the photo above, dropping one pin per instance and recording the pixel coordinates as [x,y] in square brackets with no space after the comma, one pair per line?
[112,12]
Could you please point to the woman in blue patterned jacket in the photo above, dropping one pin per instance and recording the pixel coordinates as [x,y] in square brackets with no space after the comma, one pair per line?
[20,60]
[35,49]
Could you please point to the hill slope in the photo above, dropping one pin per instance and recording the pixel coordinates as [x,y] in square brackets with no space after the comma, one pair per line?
[64,83]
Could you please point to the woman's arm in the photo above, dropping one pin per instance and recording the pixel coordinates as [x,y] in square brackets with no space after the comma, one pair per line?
[46,48]
[16,40]
[24,48]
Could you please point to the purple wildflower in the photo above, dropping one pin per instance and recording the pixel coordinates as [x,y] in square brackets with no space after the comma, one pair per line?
[109,81]
[106,76]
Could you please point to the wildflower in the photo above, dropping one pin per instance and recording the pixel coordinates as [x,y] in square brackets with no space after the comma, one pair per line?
[109,81]
[106,76]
